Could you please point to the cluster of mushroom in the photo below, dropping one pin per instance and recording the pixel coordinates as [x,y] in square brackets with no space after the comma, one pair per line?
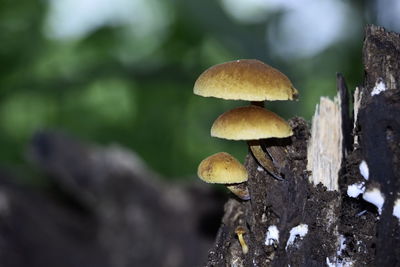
[249,80]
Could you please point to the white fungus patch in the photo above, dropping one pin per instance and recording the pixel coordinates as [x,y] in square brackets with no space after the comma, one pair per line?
[272,236]
[379,87]
[329,263]
[342,245]
[338,262]
[364,169]
[260,169]
[354,190]
[297,232]
[375,197]
[396,209]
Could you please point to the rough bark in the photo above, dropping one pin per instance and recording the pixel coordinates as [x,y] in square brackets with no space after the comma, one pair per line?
[345,227]
[379,131]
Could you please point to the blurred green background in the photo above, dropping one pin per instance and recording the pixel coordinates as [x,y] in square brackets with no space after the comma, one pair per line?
[122,71]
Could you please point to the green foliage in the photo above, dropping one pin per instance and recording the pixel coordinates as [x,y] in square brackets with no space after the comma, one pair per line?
[118,84]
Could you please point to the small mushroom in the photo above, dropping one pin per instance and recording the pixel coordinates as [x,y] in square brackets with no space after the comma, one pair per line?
[245,79]
[223,168]
[252,123]
[240,231]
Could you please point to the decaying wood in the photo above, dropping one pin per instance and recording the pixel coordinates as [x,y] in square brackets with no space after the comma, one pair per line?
[346,118]
[284,204]
[370,227]
[344,227]
[379,133]
[325,149]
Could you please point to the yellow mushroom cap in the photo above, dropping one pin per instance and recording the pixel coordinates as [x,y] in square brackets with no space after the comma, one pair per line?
[240,230]
[250,123]
[245,79]
[222,168]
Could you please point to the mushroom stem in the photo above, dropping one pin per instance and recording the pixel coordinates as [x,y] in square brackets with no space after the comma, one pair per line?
[263,159]
[240,231]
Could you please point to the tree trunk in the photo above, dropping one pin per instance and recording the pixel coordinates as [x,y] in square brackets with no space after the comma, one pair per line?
[339,204]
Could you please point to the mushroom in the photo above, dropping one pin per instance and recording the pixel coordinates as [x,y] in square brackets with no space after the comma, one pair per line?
[223,168]
[240,231]
[252,123]
[245,79]
[251,80]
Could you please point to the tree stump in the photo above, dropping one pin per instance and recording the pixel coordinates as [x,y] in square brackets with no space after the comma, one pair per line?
[339,204]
